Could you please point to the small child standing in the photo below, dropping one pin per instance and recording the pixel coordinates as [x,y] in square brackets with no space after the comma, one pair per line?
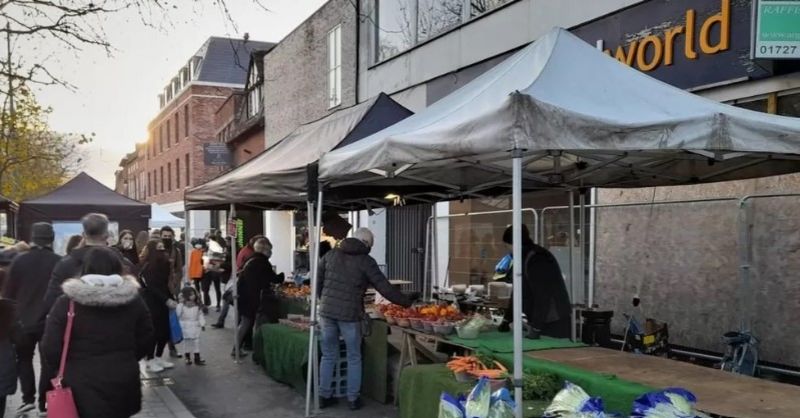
[192,320]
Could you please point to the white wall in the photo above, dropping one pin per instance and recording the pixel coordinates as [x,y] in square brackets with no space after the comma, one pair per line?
[506,29]
[377,223]
[280,231]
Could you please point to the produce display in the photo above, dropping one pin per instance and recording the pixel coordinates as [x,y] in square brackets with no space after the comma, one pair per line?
[299,322]
[434,318]
[292,291]
[474,366]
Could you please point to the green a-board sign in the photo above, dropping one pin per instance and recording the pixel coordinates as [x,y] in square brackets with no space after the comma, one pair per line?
[776,29]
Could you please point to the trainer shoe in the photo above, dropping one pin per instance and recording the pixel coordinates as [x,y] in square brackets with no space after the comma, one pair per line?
[153,366]
[164,364]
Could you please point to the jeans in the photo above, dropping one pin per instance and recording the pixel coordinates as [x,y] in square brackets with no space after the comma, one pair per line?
[26,345]
[351,333]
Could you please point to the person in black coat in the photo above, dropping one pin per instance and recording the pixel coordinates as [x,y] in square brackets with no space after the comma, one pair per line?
[344,276]
[95,234]
[155,279]
[111,332]
[127,247]
[545,301]
[254,285]
[26,284]
[8,365]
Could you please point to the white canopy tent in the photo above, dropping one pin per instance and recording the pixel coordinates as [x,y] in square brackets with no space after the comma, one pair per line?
[161,217]
[561,114]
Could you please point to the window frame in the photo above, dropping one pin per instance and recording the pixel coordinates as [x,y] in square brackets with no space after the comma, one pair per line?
[187,163]
[334,65]
[466,18]
[161,169]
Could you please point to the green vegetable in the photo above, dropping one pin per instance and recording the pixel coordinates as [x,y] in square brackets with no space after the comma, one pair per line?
[541,386]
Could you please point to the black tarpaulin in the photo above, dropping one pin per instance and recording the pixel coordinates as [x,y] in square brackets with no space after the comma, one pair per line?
[79,196]
[277,178]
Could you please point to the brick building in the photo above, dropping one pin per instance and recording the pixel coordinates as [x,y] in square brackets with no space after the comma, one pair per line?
[131,176]
[172,158]
[240,119]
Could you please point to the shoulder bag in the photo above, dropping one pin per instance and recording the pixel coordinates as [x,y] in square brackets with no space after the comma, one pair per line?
[60,403]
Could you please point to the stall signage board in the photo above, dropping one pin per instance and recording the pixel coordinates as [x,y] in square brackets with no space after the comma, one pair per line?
[777,30]
[217,155]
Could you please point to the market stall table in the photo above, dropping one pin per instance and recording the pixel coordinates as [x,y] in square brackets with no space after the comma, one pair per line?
[421,386]
[717,392]
[283,353]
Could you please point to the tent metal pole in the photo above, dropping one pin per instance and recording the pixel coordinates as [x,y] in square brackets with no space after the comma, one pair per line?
[187,244]
[315,234]
[572,261]
[435,247]
[426,274]
[234,289]
[592,223]
[745,221]
[582,242]
[516,188]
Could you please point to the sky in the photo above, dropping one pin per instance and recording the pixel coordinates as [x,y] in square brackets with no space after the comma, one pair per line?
[116,95]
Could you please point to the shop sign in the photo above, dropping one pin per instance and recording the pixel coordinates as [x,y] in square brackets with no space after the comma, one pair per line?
[777,30]
[685,43]
[216,155]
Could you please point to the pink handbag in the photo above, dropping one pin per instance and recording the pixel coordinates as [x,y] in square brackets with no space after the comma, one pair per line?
[60,403]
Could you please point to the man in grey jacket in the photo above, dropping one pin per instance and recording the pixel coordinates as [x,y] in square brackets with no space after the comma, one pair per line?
[345,274]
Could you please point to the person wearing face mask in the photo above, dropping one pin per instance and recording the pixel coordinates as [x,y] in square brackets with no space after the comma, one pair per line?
[175,260]
[127,247]
[255,283]
[156,291]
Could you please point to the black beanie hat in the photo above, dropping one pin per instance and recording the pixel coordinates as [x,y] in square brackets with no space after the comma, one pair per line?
[508,235]
[42,234]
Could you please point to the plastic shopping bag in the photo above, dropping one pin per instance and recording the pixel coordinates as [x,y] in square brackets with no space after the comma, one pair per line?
[574,402]
[450,407]
[479,400]
[175,331]
[668,403]
[502,404]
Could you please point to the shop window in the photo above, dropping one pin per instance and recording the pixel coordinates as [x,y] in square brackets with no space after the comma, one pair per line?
[186,166]
[177,131]
[177,173]
[169,177]
[186,120]
[789,105]
[438,16]
[396,27]
[479,7]
[161,177]
[402,24]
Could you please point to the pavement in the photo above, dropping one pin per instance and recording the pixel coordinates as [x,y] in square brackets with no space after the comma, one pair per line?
[223,388]
[226,389]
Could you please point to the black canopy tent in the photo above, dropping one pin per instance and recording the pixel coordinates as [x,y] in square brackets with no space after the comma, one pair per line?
[79,196]
[276,179]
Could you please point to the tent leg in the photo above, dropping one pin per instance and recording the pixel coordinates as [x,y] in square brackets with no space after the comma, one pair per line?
[236,348]
[315,234]
[571,254]
[592,222]
[426,270]
[517,280]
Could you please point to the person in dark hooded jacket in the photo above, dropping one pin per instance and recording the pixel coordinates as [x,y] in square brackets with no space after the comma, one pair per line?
[344,275]
[27,282]
[545,301]
[254,286]
[95,234]
[8,364]
[111,332]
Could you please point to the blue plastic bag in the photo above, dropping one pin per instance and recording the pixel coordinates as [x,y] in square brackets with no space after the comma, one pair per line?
[175,331]
[503,267]
[502,405]
[668,403]
[450,407]
[479,400]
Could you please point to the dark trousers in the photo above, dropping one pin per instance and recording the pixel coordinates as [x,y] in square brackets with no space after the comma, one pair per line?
[26,345]
[209,279]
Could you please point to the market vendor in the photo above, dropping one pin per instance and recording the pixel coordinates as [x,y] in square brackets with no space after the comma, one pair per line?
[545,300]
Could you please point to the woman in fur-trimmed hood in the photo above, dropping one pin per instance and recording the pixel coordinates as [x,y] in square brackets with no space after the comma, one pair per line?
[112,331]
